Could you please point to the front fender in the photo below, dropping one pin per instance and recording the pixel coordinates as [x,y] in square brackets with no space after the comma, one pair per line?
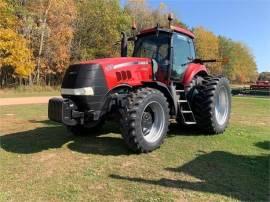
[165,90]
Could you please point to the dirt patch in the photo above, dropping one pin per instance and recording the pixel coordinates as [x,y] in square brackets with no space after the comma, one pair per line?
[24,100]
[11,123]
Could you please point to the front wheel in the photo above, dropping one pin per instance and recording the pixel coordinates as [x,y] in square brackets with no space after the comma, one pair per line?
[145,120]
[211,103]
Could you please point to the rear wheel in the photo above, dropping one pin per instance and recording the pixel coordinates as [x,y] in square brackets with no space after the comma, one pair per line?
[210,100]
[145,120]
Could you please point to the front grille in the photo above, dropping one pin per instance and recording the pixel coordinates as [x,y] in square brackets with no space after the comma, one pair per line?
[86,75]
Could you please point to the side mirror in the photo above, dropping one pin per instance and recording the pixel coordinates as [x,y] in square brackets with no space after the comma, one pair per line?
[124,45]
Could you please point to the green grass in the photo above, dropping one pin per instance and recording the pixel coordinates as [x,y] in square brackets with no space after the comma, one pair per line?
[40,161]
[29,91]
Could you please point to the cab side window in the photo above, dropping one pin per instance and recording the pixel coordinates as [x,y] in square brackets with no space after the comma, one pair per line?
[183,51]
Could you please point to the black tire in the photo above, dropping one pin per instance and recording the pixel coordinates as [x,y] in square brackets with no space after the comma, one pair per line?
[91,129]
[203,95]
[139,123]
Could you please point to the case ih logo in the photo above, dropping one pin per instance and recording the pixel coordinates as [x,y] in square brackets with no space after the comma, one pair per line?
[126,64]
[109,67]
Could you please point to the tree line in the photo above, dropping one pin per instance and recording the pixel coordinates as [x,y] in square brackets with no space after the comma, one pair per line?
[40,38]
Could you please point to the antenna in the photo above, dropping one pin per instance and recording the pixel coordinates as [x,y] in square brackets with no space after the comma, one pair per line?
[170,18]
[157,31]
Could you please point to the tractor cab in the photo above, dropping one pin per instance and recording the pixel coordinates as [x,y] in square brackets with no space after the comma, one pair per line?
[172,49]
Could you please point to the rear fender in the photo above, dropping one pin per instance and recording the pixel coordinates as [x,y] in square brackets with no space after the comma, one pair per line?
[193,70]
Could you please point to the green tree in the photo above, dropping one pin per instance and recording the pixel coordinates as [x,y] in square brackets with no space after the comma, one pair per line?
[98,27]
[207,47]
[51,33]
[241,65]
[141,13]
[146,17]
[226,50]
[245,65]
[15,55]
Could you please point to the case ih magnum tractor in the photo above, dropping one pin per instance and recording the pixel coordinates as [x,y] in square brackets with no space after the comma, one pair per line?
[161,81]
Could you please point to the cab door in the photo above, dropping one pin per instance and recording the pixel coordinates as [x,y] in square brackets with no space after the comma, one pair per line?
[182,53]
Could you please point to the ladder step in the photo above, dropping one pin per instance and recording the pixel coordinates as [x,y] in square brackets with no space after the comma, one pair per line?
[190,122]
[186,112]
[181,100]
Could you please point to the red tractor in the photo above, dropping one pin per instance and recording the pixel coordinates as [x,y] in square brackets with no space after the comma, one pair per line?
[163,80]
[260,85]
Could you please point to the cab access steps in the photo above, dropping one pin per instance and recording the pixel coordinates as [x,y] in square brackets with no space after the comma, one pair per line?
[184,108]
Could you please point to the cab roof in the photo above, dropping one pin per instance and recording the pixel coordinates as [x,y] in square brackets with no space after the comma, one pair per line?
[171,29]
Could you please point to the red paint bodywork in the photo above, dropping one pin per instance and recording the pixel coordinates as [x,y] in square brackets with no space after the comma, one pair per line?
[260,85]
[139,72]
[140,69]
[192,70]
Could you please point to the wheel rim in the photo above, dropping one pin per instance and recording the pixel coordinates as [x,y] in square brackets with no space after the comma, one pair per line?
[222,106]
[152,121]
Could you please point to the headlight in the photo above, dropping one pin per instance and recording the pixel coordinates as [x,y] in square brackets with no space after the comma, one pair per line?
[77,91]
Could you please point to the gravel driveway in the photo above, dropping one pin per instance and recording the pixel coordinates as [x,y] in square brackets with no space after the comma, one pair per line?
[24,100]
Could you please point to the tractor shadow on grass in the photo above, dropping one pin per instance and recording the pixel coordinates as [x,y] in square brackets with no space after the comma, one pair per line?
[245,178]
[183,130]
[52,136]
[263,145]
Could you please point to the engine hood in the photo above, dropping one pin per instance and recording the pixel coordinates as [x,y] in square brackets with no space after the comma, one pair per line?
[119,62]
[119,71]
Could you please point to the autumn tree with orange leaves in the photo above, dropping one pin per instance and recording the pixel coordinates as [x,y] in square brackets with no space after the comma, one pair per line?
[39,39]
[16,59]
[207,47]
[52,34]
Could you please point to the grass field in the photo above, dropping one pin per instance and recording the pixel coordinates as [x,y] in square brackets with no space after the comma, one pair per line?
[41,161]
[29,91]
[33,91]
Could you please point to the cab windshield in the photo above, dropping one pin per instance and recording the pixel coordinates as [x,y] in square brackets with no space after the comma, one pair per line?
[153,46]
